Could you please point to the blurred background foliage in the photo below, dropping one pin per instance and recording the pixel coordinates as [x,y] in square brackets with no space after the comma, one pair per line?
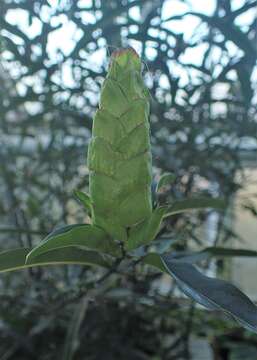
[200,66]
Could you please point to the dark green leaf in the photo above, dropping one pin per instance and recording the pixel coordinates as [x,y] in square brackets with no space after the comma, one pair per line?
[16,259]
[72,339]
[218,252]
[181,206]
[80,235]
[212,293]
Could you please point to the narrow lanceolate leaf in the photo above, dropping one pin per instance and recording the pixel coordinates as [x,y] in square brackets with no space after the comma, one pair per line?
[213,251]
[119,156]
[212,293]
[80,235]
[154,259]
[181,206]
[72,339]
[166,179]
[15,259]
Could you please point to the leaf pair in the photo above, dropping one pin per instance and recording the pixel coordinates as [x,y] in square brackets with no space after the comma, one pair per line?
[70,239]
[93,238]
[87,245]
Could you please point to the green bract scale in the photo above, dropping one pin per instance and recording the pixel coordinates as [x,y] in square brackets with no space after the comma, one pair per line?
[119,154]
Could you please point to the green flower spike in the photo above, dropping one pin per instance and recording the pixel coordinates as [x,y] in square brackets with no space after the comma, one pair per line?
[120,201]
[119,154]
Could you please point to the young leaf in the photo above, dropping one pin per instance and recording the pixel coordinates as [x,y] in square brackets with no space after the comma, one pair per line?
[15,259]
[146,231]
[181,206]
[166,179]
[80,235]
[212,293]
[84,199]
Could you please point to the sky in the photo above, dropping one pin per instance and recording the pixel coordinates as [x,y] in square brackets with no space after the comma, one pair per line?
[70,32]
[65,37]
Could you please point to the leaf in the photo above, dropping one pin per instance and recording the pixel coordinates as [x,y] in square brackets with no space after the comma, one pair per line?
[15,259]
[154,259]
[212,293]
[214,251]
[84,199]
[146,231]
[80,235]
[181,206]
[72,339]
[166,179]
[61,230]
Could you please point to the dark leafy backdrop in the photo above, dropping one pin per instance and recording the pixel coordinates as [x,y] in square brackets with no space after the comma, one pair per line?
[203,122]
